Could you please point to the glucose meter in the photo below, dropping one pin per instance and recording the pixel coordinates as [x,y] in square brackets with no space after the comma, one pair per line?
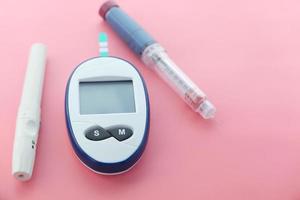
[107,114]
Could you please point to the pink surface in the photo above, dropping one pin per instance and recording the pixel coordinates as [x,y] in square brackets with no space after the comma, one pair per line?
[244,54]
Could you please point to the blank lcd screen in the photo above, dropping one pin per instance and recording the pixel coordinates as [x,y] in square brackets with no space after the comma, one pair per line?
[105,97]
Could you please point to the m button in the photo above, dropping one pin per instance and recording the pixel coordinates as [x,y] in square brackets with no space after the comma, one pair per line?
[120,133]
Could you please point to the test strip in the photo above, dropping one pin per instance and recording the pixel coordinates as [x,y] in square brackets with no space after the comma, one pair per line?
[103,44]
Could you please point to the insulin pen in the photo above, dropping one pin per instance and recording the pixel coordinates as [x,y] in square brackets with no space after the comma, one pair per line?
[154,56]
[28,119]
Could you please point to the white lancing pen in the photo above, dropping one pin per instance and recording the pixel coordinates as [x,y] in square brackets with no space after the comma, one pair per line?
[29,114]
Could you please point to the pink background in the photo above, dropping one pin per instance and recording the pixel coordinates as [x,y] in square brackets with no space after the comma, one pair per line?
[244,54]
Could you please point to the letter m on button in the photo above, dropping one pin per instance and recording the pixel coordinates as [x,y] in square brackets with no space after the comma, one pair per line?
[122,132]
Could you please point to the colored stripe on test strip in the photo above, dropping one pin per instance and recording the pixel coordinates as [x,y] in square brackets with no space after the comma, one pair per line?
[103,44]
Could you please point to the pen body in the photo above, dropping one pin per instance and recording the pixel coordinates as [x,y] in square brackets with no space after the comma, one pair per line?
[28,117]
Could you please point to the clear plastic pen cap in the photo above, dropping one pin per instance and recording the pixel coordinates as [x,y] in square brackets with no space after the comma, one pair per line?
[157,59]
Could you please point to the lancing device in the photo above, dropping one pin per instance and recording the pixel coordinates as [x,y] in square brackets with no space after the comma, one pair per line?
[155,57]
[28,119]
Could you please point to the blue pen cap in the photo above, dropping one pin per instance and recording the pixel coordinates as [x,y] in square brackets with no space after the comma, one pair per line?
[133,34]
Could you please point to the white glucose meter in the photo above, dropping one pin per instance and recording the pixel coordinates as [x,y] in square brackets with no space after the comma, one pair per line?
[107,114]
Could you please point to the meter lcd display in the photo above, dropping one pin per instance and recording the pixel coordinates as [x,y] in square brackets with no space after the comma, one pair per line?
[106,97]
